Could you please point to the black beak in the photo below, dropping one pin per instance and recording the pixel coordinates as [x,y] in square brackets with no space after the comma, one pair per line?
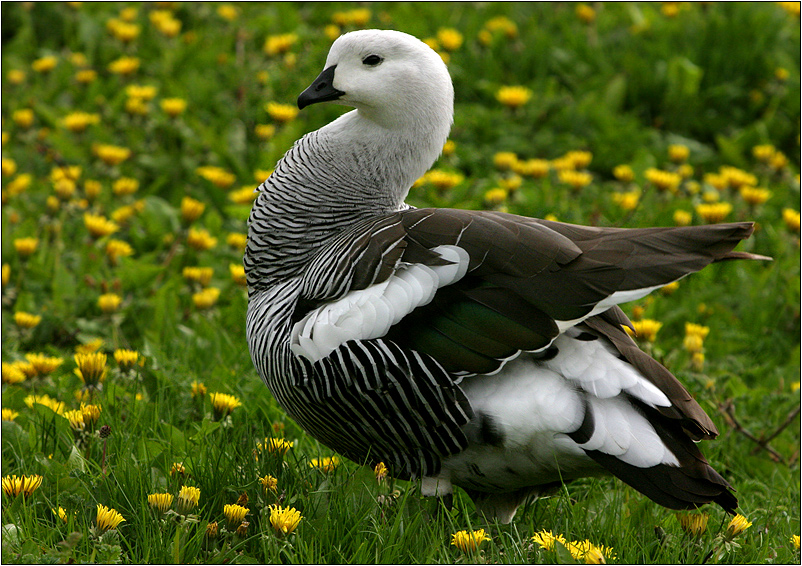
[321,90]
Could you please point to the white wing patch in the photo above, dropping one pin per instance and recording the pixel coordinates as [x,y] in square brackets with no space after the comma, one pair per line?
[621,431]
[369,313]
[600,372]
[615,299]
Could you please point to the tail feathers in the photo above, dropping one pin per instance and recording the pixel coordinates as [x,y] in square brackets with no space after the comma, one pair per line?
[691,484]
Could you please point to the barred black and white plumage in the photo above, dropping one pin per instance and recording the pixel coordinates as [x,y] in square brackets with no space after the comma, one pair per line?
[478,349]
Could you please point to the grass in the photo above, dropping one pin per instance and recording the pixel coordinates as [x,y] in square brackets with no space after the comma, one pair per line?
[624,83]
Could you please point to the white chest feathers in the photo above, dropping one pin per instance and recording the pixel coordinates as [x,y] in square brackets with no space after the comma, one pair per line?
[369,313]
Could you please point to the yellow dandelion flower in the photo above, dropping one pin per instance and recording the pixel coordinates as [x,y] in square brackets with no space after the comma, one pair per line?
[178,468]
[646,329]
[579,159]
[198,389]
[585,13]
[26,246]
[217,175]
[281,112]
[275,446]
[111,154]
[169,27]
[265,131]
[511,183]
[107,519]
[737,525]
[669,288]
[116,249]
[91,414]
[546,540]
[191,209]
[76,419]
[144,92]
[43,365]
[85,76]
[278,44]
[9,414]
[125,31]
[535,168]
[443,180]
[678,153]
[200,239]
[126,358]
[764,152]
[124,65]
[237,240]
[754,195]
[211,529]
[125,186]
[449,38]
[109,302]
[23,118]
[495,197]
[26,485]
[235,513]
[173,106]
[188,498]
[91,368]
[513,96]
[380,471]
[778,160]
[325,465]
[9,167]
[685,171]
[576,179]
[791,219]
[682,217]
[12,374]
[693,523]
[92,189]
[663,180]
[202,275]
[206,298]
[7,273]
[714,212]
[469,541]
[26,320]
[624,173]
[61,513]
[794,538]
[64,188]
[160,502]
[44,64]
[505,160]
[228,12]
[223,403]
[137,107]
[19,184]
[502,24]
[269,483]
[692,329]
[284,519]
[15,76]
[736,178]
[238,274]
[52,404]
[245,195]
[628,200]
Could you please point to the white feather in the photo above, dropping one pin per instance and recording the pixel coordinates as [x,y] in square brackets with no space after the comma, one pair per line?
[369,313]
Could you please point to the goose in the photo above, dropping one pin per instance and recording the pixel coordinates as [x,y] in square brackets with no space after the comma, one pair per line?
[476,349]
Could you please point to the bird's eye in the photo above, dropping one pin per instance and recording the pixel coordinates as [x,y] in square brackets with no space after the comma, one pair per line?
[372,60]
